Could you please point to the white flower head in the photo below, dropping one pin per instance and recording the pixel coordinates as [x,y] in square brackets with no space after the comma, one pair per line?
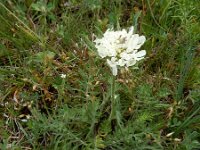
[63,76]
[120,48]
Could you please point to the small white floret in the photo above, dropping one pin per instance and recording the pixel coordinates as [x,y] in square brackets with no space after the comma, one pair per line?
[63,76]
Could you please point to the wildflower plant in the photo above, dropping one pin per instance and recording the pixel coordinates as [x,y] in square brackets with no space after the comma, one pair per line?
[51,97]
[120,48]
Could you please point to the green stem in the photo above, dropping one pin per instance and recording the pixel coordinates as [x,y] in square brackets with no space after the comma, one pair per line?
[112,97]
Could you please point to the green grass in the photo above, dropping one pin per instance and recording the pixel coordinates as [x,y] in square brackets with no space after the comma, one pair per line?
[41,40]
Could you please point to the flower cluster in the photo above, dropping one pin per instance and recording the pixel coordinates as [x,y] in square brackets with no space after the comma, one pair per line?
[120,48]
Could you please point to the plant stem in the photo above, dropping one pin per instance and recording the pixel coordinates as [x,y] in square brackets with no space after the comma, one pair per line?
[112,97]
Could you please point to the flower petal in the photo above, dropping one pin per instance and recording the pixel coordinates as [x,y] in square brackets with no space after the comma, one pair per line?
[114,70]
[131,29]
[141,41]
[125,56]
[140,55]
[121,62]
[113,65]
[131,62]
[132,42]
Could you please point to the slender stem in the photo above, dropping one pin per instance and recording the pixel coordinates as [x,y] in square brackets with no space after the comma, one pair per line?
[112,97]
